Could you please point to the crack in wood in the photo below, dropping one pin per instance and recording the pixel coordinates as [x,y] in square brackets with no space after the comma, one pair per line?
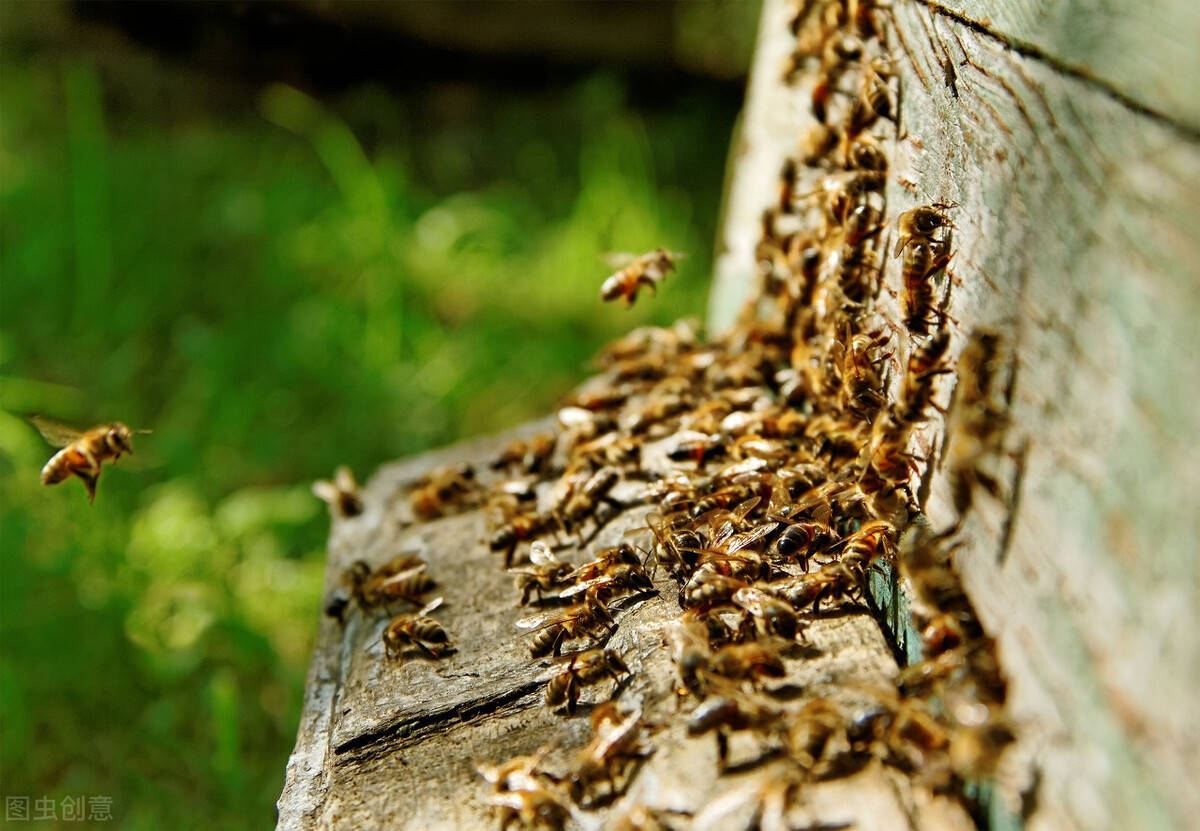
[1030,50]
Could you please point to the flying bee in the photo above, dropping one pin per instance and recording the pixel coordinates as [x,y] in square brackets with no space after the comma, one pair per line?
[83,453]
[443,491]
[616,744]
[647,270]
[544,573]
[419,630]
[772,615]
[521,527]
[583,670]
[590,618]
[725,715]
[341,494]
[921,223]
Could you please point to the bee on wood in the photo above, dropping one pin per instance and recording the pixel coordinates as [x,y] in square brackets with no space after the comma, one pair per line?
[922,258]
[525,795]
[707,589]
[419,630]
[522,527]
[341,494]
[647,270]
[443,491]
[617,743]
[724,715]
[346,590]
[871,543]
[811,731]
[695,447]
[771,614]
[745,661]
[583,502]
[404,578]
[835,580]
[921,223]
[589,618]
[583,670]
[545,572]
[616,571]
[687,638]
[800,537]
[529,455]
[83,453]
[675,544]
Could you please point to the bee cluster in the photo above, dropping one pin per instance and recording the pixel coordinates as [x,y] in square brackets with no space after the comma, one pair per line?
[777,470]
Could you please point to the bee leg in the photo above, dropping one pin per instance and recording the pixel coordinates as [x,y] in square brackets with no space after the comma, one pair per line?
[429,653]
[89,481]
[722,750]
[572,695]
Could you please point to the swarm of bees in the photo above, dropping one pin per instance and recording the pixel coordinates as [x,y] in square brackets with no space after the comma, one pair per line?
[83,454]
[777,468]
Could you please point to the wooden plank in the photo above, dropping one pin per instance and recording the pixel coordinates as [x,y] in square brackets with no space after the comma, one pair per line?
[1144,52]
[387,745]
[1079,236]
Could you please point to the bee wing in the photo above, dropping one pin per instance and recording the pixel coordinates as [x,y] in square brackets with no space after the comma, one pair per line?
[617,259]
[344,480]
[541,555]
[400,576]
[750,598]
[55,432]
[325,490]
[739,541]
[537,621]
[430,606]
[580,588]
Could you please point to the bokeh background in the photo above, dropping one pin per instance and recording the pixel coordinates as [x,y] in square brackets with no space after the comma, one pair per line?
[287,236]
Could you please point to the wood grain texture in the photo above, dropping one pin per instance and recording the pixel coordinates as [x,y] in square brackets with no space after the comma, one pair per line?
[1079,237]
[1145,52]
[396,746]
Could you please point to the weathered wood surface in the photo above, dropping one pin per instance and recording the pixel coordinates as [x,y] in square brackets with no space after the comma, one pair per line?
[1078,236]
[396,746]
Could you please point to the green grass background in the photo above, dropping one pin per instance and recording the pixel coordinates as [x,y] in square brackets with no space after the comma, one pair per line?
[276,285]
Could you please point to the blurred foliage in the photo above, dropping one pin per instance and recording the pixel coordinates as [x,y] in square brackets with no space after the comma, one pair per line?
[276,285]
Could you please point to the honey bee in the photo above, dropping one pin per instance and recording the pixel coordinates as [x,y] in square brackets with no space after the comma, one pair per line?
[695,447]
[808,590]
[403,578]
[523,794]
[583,502]
[83,453]
[419,630]
[347,589]
[443,491]
[921,259]
[341,495]
[724,715]
[800,538]
[873,89]
[811,730]
[545,572]
[707,589]
[616,571]
[871,543]
[616,744]
[772,615]
[921,223]
[589,618]
[687,638]
[583,670]
[647,270]
[530,455]
[675,544]
[521,527]
[745,661]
